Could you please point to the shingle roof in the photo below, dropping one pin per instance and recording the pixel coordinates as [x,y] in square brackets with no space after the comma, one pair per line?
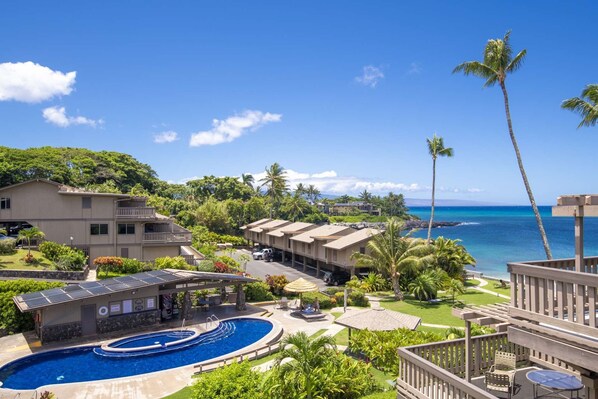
[353,238]
[290,228]
[377,319]
[256,223]
[269,225]
[322,231]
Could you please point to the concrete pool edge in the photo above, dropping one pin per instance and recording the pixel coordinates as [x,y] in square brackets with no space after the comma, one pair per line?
[159,383]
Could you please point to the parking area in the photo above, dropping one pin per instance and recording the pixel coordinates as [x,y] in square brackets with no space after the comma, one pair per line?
[259,268]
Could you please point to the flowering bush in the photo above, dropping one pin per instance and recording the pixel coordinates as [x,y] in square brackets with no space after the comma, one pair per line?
[221,267]
[276,283]
[108,264]
[166,262]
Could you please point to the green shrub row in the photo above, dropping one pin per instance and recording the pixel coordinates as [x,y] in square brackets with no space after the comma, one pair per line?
[355,298]
[64,257]
[7,246]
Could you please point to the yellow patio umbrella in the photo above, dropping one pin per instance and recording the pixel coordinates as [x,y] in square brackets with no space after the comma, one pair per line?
[300,286]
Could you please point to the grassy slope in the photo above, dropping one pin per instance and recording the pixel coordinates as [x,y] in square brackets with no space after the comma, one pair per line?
[15,261]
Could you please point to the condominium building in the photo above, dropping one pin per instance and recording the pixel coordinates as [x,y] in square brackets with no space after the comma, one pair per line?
[100,224]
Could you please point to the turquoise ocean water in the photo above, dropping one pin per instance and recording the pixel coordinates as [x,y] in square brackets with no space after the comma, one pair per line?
[495,235]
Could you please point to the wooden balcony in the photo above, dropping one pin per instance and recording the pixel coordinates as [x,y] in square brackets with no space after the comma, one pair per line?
[553,309]
[167,238]
[135,213]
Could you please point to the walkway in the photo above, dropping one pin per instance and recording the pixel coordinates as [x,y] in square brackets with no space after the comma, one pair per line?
[483,283]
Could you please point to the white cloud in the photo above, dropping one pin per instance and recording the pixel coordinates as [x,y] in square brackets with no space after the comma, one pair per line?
[57,116]
[31,83]
[233,127]
[329,182]
[371,76]
[166,137]
[414,69]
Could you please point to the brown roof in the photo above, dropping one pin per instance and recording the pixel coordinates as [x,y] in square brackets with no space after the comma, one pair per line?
[256,223]
[291,228]
[320,232]
[64,189]
[353,238]
[269,225]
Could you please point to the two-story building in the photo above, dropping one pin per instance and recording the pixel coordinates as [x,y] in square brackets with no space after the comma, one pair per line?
[100,224]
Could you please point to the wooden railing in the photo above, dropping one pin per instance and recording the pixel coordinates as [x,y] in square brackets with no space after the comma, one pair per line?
[167,237]
[554,297]
[134,212]
[436,370]
[590,264]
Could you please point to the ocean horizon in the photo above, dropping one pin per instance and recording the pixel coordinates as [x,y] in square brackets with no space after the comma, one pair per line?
[496,235]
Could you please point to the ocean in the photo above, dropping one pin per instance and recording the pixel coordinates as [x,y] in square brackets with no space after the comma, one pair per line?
[495,235]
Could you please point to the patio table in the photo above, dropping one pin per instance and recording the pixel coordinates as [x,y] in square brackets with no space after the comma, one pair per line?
[554,382]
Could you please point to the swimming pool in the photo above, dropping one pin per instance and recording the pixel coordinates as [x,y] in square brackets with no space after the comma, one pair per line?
[82,364]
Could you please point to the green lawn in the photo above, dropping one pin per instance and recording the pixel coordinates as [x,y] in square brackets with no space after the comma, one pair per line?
[494,286]
[439,313]
[184,393]
[16,262]
[103,275]
[392,394]
[439,331]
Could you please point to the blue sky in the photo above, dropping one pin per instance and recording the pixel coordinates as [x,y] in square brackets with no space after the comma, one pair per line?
[341,93]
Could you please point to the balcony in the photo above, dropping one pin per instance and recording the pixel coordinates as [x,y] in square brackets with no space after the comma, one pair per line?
[167,238]
[135,213]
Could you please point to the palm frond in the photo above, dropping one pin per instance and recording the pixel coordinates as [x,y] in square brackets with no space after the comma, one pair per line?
[517,62]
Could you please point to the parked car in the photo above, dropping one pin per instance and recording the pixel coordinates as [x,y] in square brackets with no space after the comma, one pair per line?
[3,237]
[274,255]
[336,277]
[260,254]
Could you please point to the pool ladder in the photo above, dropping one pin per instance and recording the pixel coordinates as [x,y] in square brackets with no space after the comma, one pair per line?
[212,319]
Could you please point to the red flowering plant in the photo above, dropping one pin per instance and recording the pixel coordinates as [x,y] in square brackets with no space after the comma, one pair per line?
[108,264]
[276,283]
[221,267]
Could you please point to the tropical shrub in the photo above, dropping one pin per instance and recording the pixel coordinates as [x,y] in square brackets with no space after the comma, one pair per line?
[235,381]
[221,267]
[333,290]
[230,262]
[7,246]
[381,346]
[325,301]
[72,260]
[355,298]
[201,236]
[277,283]
[53,250]
[108,264]
[132,266]
[206,266]
[11,319]
[167,262]
[258,292]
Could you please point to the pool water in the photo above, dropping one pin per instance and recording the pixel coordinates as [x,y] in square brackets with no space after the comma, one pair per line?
[82,364]
[151,339]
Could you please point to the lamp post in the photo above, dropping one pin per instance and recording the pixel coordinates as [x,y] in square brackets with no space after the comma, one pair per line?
[71,237]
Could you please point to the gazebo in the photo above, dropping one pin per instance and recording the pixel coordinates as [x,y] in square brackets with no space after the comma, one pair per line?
[377,319]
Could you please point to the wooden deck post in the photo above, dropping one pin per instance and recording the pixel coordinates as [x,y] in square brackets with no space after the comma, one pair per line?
[468,351]
[579,266]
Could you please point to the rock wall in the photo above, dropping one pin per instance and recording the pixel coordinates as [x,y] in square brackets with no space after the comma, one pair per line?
[60,332]
[127,321]
[47,274]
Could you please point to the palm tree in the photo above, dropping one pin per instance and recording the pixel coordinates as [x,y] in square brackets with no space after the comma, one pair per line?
[452,257]
[437,149]
[423,287]
[391,255]
[498,62]
[307,355]
[587,109]
[29,234]
[300,189]
[295,206]
[247,179]
[365,196]
[454,287]
[276,185]
[313,193]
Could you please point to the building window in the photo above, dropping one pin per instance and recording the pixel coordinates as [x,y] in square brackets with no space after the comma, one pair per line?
[303,246]
[362,250]
[4,203]
[334,254]
[86,202]
[289,243]
[126,228]
[97,229]
[309,248]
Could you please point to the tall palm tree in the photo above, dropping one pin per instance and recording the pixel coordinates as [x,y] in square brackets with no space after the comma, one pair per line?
[307,355]
[300,189]
[29,234]
[587,109]
[436,149]
[247,179]
[276,185]
[295,206]
[313,193]
[391,255]
[365,196]
[498,62]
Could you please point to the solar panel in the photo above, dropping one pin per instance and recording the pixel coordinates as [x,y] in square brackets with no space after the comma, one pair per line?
[119,287]
[32,295]
[169,277]
[79,294]
[99,290]
[32,303]
[151,280]
[70,288]
[53,291]
[136,284]
[91,284]
[58,298]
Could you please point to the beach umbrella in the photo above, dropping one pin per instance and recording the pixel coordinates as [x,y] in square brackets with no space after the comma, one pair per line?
[377,319]
[300,286]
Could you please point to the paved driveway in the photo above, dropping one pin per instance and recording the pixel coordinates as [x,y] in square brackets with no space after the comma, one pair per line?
[259,268]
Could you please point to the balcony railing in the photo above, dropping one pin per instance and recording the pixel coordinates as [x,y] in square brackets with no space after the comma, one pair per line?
[135,213]
[167,237]
[551,297]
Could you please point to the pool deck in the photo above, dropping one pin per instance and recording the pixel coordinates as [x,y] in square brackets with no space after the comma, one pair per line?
[151,385]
